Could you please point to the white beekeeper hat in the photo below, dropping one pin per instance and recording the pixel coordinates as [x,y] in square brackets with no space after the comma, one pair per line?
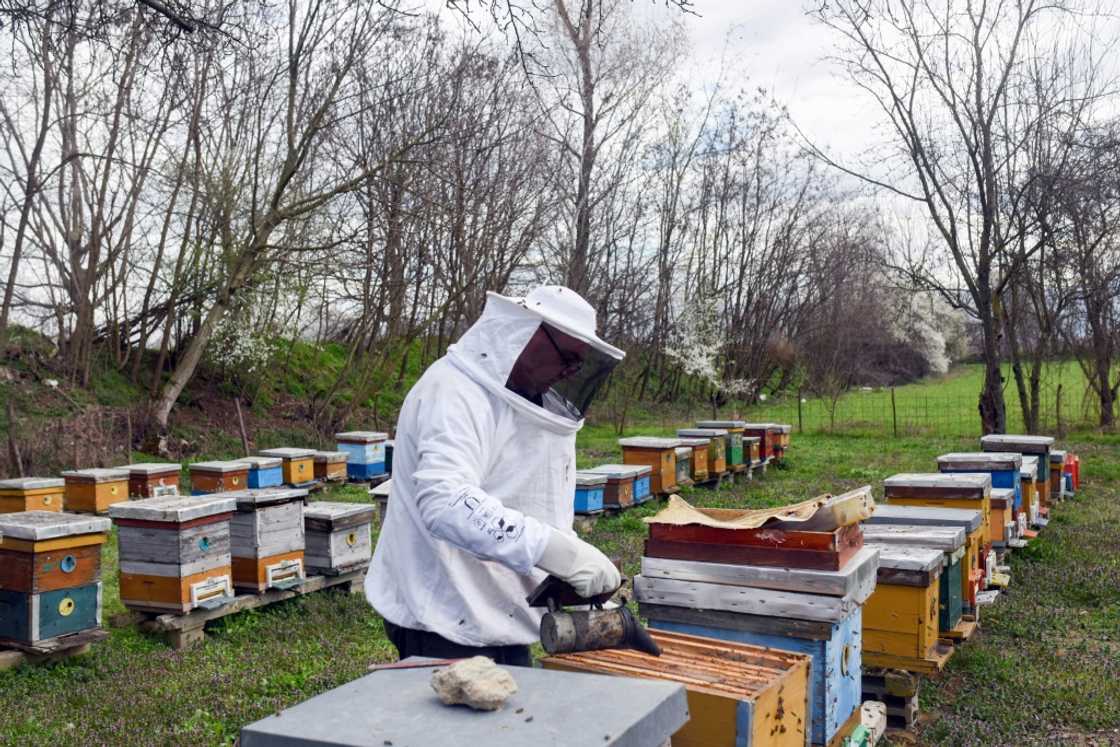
[565,310]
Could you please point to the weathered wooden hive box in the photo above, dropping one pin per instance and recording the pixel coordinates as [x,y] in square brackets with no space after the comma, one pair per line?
[218,477]
[590,487]
[738,694]
[659,453]
[267,538]
[900,620]
[697,459]
[1028,477]
[781,433]
[92,491]
[299,464]
[752,450]
[951,542]
[971,566]
[717,447]
[970,492]
[32,494]
[1002,466]
[365,452]
[1037,446]
[737,459]
[765,433]
[175,551]
[684,465]
[1055,466]
[264,472]
[337,536]
[620,487]
[50,574]
[146,480]
[330,466]
[1003,525]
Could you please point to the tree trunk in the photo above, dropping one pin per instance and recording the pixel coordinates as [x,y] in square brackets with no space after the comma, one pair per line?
[993,413]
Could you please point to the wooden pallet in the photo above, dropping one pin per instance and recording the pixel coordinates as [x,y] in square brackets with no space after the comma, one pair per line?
[15,653]
[183,630]
[898,690]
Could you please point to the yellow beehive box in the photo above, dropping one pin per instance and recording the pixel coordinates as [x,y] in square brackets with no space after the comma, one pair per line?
[32,494]
[92,491]
[900,620]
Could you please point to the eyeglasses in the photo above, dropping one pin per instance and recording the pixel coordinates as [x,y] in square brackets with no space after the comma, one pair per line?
[573,362]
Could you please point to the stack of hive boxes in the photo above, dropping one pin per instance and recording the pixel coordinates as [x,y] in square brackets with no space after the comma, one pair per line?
[793,578]
[365,453]
[267,538]
[1034,446]
[1004,469]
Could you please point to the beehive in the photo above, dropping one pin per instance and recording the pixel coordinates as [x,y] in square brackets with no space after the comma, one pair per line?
[765,433]
[1056,462]
[951,542]
[299,464]
[590,487]
[32,494]
[643,482]
[660,454]
[900,620]
[684,465]
[972,566]
[330,466]
[146,480]
[752,450]
[264,472]
[218,477]
[1037,446]
[1002,466]
[175,551]
[972,492]
[698,459]
[737,457]
[1003,525]
[738,695]
[50,574]
[618,491]
[92,491]
[717,447]
[337,537]
[780,432]
[365,452]
[267,538]
[1028,477]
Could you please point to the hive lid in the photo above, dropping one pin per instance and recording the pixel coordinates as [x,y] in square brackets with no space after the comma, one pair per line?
[1002,497]
[701,432]
[330,456]
[382,490]
[907,558]
[334,511]
[261,462]
[44,525]
[981,461]
[587,479]
[96,474]
[218,466]
[152,468]
[288,453]
[927,515]
[622,471]
[31,483]
[174,508]
[980,482]
[782,428]
[252,498]
[1029,468]
[1057,455]
[362,437]
[1017,443]
[946,539]
[752,439]
[721,423]
[696,441]
[684,452]
[760,426]
[649,442]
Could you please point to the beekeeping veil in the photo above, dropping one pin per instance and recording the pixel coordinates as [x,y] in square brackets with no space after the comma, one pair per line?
[540,353]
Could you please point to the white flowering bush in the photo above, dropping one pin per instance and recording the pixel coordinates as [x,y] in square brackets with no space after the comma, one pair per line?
[234,349]
[696,344]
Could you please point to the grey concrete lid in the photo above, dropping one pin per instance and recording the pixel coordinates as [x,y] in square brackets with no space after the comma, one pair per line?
[174,508]
[1021,444]
[590,479]
[153,468]
[31,483]
[288,453]
[334,510]
[250,499]
[907,558]
[981,461]
[261,462]
[649,442]
[946,539]
[96,474]
[979,481]
[221,467]
[721,423]
[1030,467]
[696,441]
[702,432]
[361,437]
[330,457]
[886,513]
[44,525]
[622,471]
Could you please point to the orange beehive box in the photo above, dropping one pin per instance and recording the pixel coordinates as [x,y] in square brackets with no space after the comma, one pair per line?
[145,479]
[218,477]
[330,466]
[32,494]
[92,491]
[660,454]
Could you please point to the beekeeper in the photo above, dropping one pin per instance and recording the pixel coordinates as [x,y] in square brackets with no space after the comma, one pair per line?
[480,507]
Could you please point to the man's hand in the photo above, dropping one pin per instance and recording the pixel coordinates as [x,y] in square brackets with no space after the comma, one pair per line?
[580,563]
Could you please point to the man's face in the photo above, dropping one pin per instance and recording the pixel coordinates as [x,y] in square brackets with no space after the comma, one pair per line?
[549,357]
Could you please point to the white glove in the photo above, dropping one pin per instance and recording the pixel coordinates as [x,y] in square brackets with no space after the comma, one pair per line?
[581,564]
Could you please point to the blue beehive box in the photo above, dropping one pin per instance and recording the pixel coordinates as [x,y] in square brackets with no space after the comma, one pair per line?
[365,453]
[1004,467]
[589,492]
[641,483]
[264,472]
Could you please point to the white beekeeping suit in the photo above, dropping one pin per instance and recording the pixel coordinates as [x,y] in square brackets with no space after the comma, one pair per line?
[484,479]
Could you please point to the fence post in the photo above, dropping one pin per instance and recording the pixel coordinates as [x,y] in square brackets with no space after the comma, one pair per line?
[894,414]
[800,427]
[1058,413]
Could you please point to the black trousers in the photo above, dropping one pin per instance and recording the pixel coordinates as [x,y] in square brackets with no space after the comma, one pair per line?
[410,642]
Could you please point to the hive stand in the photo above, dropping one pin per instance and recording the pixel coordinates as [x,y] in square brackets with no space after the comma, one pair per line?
[15,653]
[898,690]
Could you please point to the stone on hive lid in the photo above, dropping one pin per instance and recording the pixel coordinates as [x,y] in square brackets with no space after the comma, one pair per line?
[174,508]
[365,437]
[909,558]
[946,539]
[649,442]
[330,457]
[250,499]
[621,471]
[218,466]
[44,525]
[261,462]
[981,460]
[588,479]
[288,453]
[926,515]
[152,468]
[32,483]
[96,474]
[332,511]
